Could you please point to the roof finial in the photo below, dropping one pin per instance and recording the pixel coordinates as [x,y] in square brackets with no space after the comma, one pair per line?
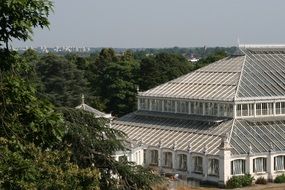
[82,99]
[238,41]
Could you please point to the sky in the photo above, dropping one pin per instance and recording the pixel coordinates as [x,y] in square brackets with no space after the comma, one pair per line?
[162,23]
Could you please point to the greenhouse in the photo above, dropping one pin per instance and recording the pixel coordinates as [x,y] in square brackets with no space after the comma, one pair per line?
[225,119]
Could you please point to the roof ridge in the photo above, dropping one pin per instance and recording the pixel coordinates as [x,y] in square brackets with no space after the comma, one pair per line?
[240,77]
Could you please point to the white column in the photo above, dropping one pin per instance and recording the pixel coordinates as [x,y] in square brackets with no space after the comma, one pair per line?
[248,164]
[224,161]
[162,104]
[254,109]
[274,108]
[219,109]
[270,165]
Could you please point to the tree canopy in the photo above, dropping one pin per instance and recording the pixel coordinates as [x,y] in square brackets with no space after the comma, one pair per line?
[19,17]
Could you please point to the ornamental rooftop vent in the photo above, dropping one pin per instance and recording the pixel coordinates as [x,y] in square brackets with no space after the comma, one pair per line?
[258,74]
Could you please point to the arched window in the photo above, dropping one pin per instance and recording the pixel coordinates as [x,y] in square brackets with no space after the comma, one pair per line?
[197,164]
[182,161]
[259,165]
[279,163]
[167,159]
[213,167]
[238,167]
[154,157]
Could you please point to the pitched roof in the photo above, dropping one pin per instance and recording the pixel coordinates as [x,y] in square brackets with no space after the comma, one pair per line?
[258,74]
[97,113]
[183,131]
[262,136]
[263,74]
[217,81]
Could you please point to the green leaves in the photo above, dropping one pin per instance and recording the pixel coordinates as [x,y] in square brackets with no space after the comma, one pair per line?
[18,17]
[93,143]
[29,167]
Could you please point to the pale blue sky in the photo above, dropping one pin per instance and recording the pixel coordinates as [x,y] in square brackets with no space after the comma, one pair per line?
[162,23]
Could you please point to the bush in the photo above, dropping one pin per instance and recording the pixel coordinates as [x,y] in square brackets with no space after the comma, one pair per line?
[239,181]
[261,180]
[280,179]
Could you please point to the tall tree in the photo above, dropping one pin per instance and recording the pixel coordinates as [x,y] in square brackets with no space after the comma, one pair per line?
[63,82]
[119,86]
[30,129]
[93,143]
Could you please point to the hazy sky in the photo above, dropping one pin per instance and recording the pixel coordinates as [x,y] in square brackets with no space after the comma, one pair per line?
[162,23]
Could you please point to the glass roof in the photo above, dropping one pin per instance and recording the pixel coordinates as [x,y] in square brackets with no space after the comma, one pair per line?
[258,74]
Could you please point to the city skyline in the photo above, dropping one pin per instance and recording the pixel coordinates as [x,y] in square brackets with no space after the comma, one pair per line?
[161,24]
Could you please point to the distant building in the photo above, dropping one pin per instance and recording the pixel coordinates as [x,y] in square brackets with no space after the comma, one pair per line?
[193,60]
[222,120]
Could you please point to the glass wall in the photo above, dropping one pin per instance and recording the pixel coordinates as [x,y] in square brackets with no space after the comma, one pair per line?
[261,109]
[182,107]
[280,108]
[169,105]
[156,105]
[144,104]
[186,107]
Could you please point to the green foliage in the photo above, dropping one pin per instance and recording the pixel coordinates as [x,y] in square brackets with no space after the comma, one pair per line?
[93,143]
[261,180]
[18,17]
[239,181]
[25,166]
[22,114]
[280,179]
[63,82]
[120,87]
[155,70]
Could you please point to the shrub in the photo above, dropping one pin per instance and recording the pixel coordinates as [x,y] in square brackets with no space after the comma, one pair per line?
[280,179]
[239,181]
[261,180]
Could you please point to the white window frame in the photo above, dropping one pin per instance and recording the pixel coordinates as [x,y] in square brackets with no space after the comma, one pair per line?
[238,167]
[259,165]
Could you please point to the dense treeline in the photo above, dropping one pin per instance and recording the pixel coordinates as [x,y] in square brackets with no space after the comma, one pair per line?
[110,81]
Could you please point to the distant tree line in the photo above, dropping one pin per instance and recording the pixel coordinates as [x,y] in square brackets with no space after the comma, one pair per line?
[109,81]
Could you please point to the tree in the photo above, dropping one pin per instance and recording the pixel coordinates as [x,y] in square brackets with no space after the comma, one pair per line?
[63,82]
[161,68]
[19,17]
[119,86]
[30,129]
[93,143]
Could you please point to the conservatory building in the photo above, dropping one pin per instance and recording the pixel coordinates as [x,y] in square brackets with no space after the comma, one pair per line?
[222,120]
